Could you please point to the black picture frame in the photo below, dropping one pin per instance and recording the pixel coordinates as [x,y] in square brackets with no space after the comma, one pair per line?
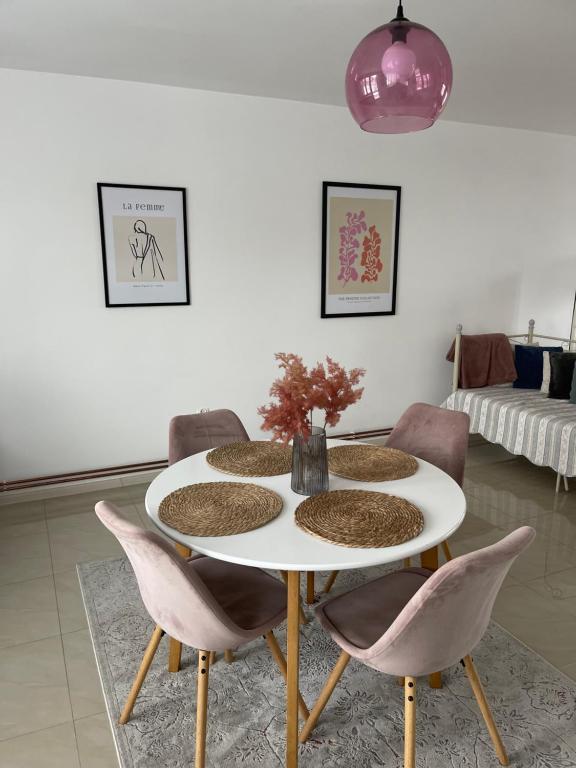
[384,303]
[116,292]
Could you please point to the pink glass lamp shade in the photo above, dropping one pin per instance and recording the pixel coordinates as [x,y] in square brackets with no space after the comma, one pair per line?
[399,78]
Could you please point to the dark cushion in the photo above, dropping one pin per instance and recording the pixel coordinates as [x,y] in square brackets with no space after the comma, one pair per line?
[529,365]
[561,373]
[573,388]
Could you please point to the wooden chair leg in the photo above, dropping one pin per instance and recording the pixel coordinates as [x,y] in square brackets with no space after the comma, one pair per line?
[142,672]
[310,587]
[278,657]
[330,581]
[407,562]
[485,709]
[228,656]
[409,722]
[175,649]
[446,550]
[331,683]
[174,655]
[202,707]
[213,658]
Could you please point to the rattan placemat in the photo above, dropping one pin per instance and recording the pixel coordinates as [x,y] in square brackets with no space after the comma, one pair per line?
[354,518]
[219,509]
[252,458]
[371,463]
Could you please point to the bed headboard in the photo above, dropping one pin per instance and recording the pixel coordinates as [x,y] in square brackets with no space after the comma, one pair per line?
[528,338]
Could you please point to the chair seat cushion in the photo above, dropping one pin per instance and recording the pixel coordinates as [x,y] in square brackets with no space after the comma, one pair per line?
[249,596]
[362,615]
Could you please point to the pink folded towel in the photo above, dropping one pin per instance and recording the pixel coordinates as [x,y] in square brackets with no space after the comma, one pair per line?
[485,359]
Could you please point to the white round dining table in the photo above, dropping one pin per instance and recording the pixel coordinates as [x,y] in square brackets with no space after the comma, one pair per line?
[281,545]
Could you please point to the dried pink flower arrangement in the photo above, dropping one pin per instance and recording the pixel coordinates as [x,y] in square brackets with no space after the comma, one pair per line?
[299,391]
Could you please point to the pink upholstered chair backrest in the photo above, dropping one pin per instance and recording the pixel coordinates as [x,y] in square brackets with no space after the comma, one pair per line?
[174,596]
[200,431]
[435,435]
[449,614]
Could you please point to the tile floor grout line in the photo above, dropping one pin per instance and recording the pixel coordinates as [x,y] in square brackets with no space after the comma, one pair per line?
[94,714]
[30,733]
[64,657]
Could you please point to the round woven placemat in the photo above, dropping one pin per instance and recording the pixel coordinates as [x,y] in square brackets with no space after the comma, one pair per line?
[371,463]
[252,458]
[354,518]
[219,509]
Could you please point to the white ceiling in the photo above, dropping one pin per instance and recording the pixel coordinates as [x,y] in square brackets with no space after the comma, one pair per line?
[514,60]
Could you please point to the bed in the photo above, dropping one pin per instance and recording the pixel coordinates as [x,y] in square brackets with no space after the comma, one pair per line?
[523,421]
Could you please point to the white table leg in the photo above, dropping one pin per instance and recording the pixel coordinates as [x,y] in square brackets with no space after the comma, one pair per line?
[293,663]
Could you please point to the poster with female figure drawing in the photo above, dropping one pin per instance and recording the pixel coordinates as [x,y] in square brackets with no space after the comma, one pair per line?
[144,249]
[360,224]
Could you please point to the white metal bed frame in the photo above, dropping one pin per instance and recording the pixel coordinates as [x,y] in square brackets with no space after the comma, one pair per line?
[530,336]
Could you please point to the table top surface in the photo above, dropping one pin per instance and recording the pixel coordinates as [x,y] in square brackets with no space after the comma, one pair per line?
[281,545]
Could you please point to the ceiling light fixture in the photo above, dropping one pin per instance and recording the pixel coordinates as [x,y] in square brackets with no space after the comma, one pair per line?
[399,78]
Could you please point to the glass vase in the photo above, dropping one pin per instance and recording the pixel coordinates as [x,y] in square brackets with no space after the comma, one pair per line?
[310,463]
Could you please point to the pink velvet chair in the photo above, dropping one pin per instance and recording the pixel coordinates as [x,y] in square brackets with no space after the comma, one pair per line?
[435,435]
[202,602]
[198,432]
[190,434]
[412,622]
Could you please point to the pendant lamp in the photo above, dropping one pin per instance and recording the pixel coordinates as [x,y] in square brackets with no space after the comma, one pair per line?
[399,78]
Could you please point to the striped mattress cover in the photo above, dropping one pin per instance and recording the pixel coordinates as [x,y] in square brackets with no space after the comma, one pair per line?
[524,421]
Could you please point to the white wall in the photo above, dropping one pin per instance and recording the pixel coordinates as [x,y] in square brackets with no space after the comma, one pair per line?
[84,386]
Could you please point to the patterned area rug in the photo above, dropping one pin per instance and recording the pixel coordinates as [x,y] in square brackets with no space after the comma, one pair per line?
[362,726]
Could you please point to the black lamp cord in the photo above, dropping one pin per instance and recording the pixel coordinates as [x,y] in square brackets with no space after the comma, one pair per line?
[400,31]
[400,13]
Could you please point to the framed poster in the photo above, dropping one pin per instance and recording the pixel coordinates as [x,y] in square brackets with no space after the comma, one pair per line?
[144,245]
[360,224]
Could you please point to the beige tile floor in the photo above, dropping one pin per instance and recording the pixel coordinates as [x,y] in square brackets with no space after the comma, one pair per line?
[52,713]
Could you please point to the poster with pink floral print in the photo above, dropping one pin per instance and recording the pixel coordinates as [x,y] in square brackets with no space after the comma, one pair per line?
[360,228]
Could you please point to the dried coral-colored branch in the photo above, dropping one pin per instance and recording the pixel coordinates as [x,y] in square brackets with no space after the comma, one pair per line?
[299,391]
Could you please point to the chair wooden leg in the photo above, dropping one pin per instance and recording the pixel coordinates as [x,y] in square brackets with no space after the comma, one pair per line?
[142,672]
[407,562]
[174,655]
[446,550]
[175,648]
[213,658]
[228,656]
[310,588]
[202,707]
[330,581]
[278,657]
[409,722]
[331,683]
[485,709]
[182,550]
